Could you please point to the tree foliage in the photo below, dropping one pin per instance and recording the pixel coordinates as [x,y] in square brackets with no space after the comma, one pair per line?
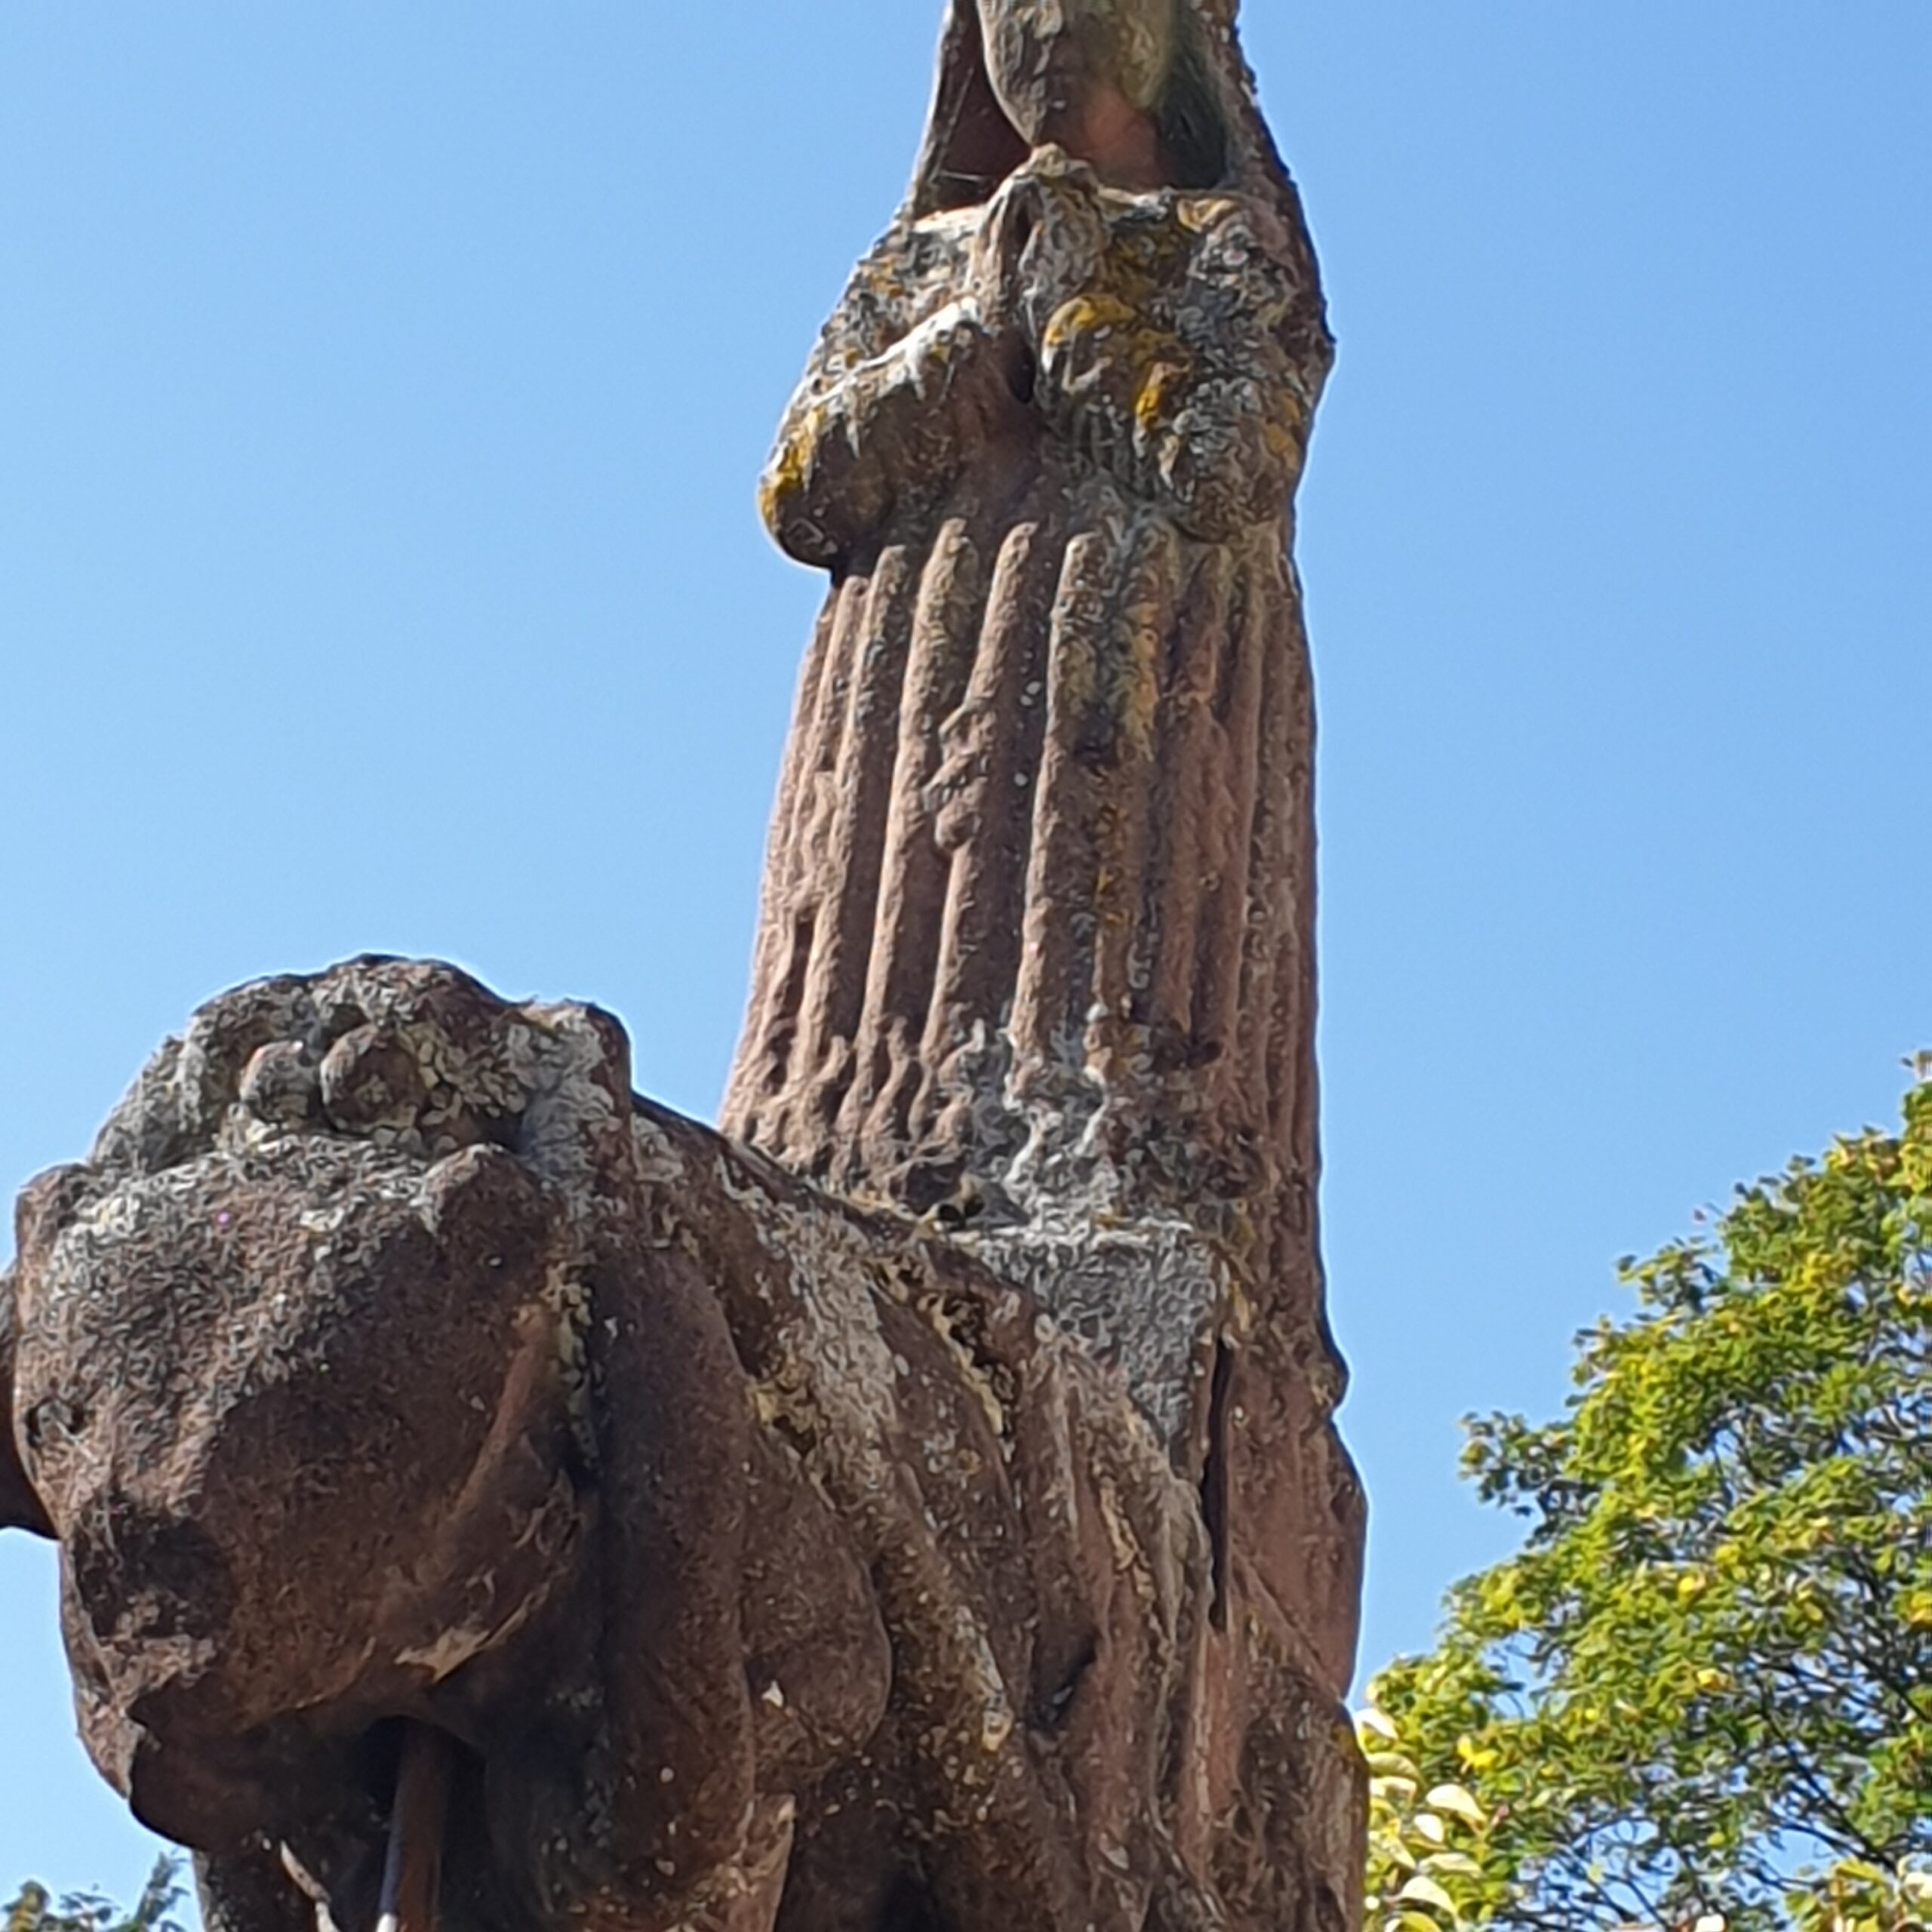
[34,1909]
[1700,1695]
[1431,1863]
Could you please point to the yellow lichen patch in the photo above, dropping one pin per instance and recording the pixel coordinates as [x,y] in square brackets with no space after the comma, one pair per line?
[1137,695]
[940,1318]
[785,475]
[1085,315]
[1199,213]
[1128,1560]
[1140,695]
[1159,384]
[995,1727]
[1290,416]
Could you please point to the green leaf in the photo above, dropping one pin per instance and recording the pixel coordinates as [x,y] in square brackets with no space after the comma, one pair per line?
[1422,1889]
[1458,1864]
[1456,1801]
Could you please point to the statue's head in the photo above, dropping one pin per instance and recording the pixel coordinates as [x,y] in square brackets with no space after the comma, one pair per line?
[1088,74]
[1142,91]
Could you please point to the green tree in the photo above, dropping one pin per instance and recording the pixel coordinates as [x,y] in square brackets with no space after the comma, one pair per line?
[34,1909]
[1701,1696]
[1431,1863]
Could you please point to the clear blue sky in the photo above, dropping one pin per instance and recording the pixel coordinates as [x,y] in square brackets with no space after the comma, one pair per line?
[381,390]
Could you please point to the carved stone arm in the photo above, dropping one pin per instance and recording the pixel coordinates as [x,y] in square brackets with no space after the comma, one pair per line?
[860,435]
[1163,339]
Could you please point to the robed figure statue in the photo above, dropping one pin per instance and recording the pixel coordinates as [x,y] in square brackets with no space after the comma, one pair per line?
[487,1499]
[1037,950]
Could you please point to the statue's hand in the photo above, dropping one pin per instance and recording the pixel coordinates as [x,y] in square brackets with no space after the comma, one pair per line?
[1042,236]
[1167,371]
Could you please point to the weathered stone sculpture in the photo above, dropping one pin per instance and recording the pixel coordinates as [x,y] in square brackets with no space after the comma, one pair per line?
[1037,948]
[918,1506]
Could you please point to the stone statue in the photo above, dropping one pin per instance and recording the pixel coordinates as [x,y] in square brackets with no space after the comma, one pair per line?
[488,1499]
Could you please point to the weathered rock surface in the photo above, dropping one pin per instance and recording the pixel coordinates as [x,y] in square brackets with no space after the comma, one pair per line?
[918,1506]
[389,1360]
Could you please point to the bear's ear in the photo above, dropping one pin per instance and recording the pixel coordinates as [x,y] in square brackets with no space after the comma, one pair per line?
[19,1508]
